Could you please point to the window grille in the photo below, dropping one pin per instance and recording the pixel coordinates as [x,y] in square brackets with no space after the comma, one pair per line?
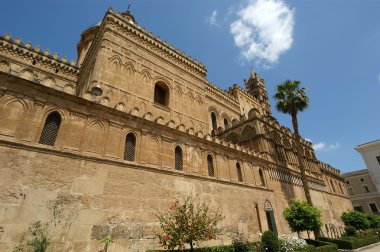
[261,175]
[210,166]
[130,146]
[239,174]
[50,131]
[178,158]
[373,208]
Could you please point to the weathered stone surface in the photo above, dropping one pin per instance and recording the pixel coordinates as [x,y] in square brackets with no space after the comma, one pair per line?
[110,185]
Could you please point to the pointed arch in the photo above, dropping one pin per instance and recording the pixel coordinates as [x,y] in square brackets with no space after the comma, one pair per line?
[178,158]
[11,116]
[50,130]
[210,166]
[129,68]
[248,133]
[48,81]
[130,147]
[145,75]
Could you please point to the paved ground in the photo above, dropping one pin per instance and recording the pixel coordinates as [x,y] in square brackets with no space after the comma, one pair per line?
[375,248]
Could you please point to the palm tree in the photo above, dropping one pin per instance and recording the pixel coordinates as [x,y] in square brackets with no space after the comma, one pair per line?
[291,99]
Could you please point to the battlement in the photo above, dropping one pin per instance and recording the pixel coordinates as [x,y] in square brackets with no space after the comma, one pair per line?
[156,41]
[26,50]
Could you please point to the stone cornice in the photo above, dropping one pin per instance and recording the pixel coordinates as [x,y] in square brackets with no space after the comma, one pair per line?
[219,93]
[175,54]
[26,50]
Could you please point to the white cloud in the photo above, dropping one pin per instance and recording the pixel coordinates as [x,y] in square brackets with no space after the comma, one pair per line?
[325,146]
[212,20]
[263,30]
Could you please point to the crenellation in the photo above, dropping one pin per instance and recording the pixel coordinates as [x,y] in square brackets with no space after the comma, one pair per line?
[120,114]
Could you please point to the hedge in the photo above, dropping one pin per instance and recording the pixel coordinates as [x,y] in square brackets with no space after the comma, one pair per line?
[321,246]
[352,242]
[227,248]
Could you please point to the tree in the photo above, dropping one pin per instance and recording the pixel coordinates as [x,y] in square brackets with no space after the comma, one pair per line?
[188,222]
[356,219]
[374,221]
[301,216]
[291,99]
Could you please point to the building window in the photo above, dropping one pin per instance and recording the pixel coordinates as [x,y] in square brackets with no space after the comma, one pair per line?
[213,121]
[365,189]
[362,180]
[358,208]
[261,175]
[225,123]
[239,173]
[161,94]
[332,185]
[210,166]
[130,146]
[373,208]
[347,182]
[50,131]
[178,158]
[350,191]
[378,159]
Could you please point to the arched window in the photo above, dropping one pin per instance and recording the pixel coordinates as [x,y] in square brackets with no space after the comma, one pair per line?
[210,166]
[130,147]
[261,175]
[238,172]
[225,123]
[178,158]
[213,121]
[332,185]
[50,131]
[161,94]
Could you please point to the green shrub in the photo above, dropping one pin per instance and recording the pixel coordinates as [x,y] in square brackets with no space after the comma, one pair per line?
[352,242]
[240,244]
[350,231]
[269,242]
[321,246]
[374,221]
[356,219]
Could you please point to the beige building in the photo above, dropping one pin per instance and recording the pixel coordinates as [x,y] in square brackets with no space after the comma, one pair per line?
[132,126]
[364,185]
[364,196]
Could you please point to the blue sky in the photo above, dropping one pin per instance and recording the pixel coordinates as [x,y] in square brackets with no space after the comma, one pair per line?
[332,46]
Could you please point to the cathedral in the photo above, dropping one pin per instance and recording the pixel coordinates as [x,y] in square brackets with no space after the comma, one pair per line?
[131,127]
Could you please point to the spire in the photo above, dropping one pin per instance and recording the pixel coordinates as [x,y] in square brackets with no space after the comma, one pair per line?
[127,15]
[255,86]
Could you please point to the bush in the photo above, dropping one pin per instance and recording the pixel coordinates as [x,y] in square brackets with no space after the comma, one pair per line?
[288,243]
[321,246]
[352,242]
[228,248]
[269,242]
[302,217]
[374,221]
[356,219]
[350,231]
[240,244]
[188,222]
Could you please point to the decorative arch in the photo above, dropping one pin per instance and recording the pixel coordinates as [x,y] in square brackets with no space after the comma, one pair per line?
[11,116]
[248,133]
[129,68]
[69,88]
[262,177]
[210,165]
[27,74]
[239,172]
[145,76]
[233,138]
[5,66]
[94,136]
[115,63]
[48,81]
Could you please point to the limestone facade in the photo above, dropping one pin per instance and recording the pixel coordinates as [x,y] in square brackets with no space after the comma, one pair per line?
[157,130]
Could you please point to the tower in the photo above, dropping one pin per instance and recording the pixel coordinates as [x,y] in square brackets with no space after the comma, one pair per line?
[255,86]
